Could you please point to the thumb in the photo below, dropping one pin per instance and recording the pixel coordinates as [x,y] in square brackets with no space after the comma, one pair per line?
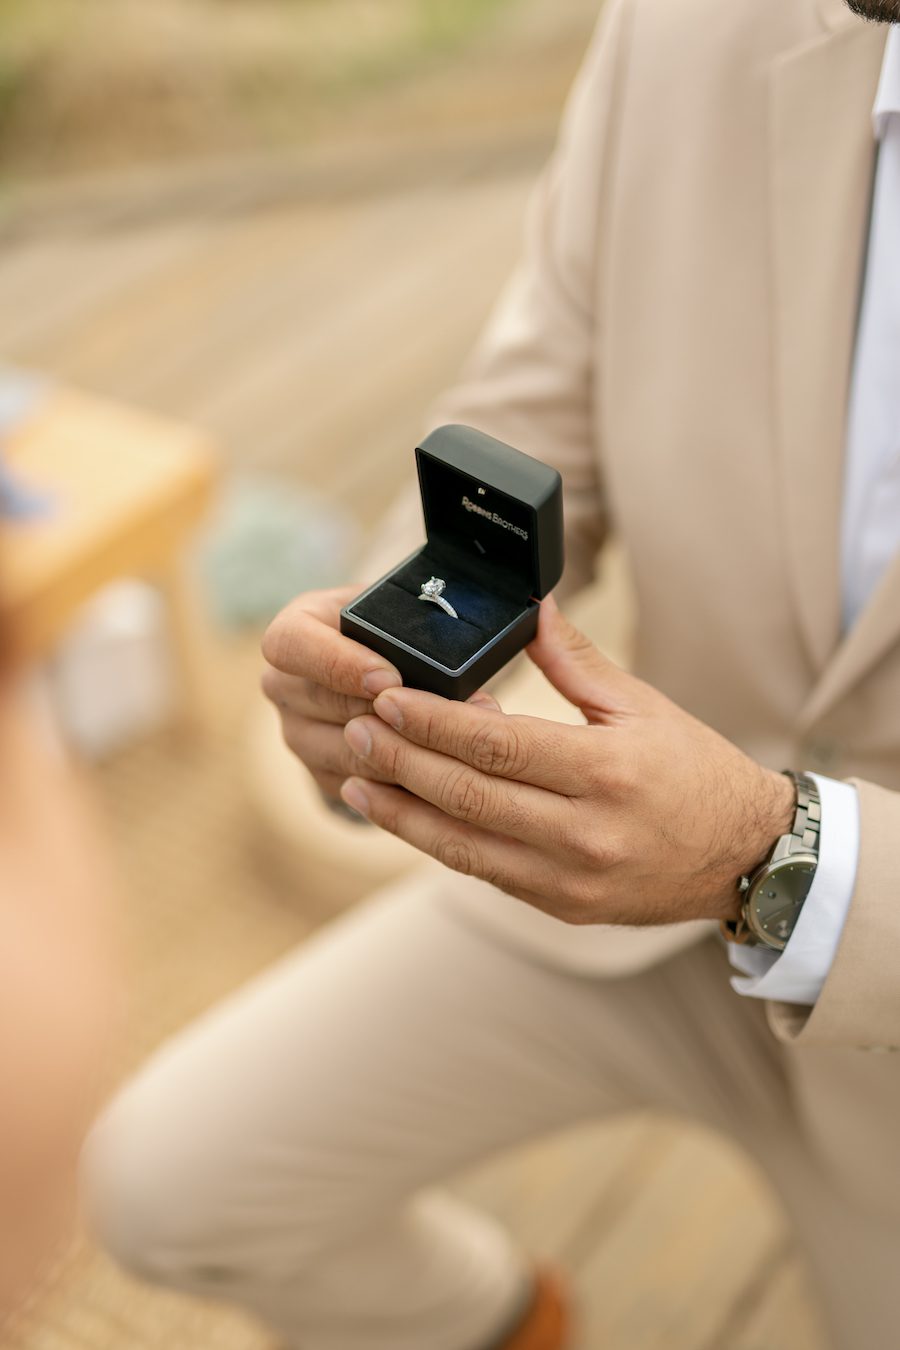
[575,667]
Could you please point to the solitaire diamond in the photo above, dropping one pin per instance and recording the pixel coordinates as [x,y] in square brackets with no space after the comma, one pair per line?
[433,590]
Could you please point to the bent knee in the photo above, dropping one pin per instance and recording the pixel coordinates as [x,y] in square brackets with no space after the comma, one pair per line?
[138,1200]
[196,1211]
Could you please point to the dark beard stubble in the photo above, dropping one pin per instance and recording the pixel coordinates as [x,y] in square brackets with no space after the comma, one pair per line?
[879,11]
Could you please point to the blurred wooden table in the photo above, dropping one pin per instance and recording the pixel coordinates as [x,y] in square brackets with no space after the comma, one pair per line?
[126,489]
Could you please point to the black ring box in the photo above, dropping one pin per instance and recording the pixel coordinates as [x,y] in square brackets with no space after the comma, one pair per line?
[494,526]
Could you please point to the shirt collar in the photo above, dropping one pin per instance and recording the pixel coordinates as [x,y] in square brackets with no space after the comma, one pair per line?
[887,100]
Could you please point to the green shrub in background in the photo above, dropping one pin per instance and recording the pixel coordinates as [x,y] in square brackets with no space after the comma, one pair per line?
[88,81]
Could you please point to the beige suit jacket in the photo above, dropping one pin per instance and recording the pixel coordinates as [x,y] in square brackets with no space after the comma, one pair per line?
[677,341]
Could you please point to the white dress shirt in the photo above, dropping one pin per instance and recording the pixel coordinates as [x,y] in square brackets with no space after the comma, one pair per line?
[870,537]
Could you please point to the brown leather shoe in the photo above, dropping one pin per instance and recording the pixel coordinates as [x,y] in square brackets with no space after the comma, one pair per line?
[547,1325]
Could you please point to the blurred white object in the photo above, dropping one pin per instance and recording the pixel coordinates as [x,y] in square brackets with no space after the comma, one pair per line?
[112,679]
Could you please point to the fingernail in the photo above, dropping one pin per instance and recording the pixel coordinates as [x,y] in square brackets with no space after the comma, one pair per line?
[353,794]
[485,701]
[358,737]
[389,710]
[376,681]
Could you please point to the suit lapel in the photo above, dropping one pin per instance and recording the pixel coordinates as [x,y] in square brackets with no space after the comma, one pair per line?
[873,634]
[822,157]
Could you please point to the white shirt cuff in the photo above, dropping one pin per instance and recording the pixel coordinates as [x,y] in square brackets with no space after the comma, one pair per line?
[797,974]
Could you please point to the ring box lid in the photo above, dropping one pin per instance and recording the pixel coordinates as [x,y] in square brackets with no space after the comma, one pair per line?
[499,507]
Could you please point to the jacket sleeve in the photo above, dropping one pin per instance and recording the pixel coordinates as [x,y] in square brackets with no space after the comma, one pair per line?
[531,380]
[859,1004]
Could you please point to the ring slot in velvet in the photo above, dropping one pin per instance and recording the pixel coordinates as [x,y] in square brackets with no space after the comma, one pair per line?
[394,607]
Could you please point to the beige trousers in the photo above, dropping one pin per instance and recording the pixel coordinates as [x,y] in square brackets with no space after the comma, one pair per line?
[282,1153]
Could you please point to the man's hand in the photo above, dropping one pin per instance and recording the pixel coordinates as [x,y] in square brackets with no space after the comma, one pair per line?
[645,815]
[318,680]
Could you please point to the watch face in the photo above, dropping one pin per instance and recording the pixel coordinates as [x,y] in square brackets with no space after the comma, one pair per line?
[778,898]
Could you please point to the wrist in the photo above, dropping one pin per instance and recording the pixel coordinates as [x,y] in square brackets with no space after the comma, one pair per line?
[775,816]
[769,815]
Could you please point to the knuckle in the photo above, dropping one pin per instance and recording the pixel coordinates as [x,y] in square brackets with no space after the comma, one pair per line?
[574,831]
[585,836]
[623,778]
[595,850]
[605,850]
[577,642]
[389,754]
[340,706]
[465,795]
[617,848]
[501,881]
[499,748]
[458,854]
[561,906]
[578,906]
[332,668]
[566,829]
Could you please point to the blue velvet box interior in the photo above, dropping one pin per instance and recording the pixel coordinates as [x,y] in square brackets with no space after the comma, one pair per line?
[487,600]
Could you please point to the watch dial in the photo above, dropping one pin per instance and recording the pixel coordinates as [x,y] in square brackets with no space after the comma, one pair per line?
[779,899]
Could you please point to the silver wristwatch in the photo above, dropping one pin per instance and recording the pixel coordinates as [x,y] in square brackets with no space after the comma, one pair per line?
[772,898]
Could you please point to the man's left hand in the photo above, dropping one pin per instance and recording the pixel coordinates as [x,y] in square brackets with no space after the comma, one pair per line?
[645,815]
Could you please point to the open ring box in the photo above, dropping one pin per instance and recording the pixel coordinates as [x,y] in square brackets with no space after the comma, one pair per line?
[493,520]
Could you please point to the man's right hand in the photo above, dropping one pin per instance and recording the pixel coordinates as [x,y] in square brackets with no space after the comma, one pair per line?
[318,679]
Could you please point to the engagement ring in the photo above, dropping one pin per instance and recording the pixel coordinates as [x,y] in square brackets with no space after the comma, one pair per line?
[433,590]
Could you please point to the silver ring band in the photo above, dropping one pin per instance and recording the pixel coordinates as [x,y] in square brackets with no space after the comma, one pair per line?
[432,590]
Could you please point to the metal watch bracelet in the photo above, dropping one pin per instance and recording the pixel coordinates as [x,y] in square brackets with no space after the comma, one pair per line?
[804,834]
[803,837]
